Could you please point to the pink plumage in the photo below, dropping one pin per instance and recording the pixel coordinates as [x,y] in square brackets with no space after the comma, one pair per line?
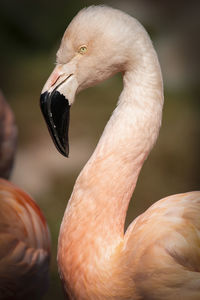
[159,255]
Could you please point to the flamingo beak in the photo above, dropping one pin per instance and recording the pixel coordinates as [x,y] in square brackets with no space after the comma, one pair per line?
[56,111]
[55,101]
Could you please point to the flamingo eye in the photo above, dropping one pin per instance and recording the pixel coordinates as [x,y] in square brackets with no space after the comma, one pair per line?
[82,49]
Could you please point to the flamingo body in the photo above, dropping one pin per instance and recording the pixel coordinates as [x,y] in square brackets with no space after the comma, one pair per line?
[24,245]
[158,257]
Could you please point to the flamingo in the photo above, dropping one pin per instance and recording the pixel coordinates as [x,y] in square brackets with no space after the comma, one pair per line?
[158,257]
[24,235]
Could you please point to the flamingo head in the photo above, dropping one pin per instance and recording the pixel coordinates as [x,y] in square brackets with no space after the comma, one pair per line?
[96,45]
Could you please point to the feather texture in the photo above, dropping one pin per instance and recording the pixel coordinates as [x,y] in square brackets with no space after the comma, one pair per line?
[24,245]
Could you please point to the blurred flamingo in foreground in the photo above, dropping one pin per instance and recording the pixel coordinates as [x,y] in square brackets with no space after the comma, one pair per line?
[159,255]
[24,235]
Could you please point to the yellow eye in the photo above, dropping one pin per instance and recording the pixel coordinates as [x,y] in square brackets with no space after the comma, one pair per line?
[82,49]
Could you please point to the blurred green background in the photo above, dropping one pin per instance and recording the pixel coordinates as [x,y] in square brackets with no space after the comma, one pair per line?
[30,33]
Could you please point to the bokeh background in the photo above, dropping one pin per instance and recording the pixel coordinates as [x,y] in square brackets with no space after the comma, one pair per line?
[30,33]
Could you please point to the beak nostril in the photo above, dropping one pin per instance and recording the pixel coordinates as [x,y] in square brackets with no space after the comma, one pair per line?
[55,79]
[61,82]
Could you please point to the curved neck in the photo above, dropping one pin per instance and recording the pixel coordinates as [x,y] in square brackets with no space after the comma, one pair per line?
[93,224]
[104,187]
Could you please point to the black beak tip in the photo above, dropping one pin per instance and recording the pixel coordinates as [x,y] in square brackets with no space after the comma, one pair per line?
[64,152]
[56,112]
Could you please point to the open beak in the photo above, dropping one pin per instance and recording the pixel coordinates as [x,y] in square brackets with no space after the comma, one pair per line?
[55,101]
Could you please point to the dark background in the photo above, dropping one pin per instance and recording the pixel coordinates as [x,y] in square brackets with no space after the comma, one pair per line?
[30,33]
